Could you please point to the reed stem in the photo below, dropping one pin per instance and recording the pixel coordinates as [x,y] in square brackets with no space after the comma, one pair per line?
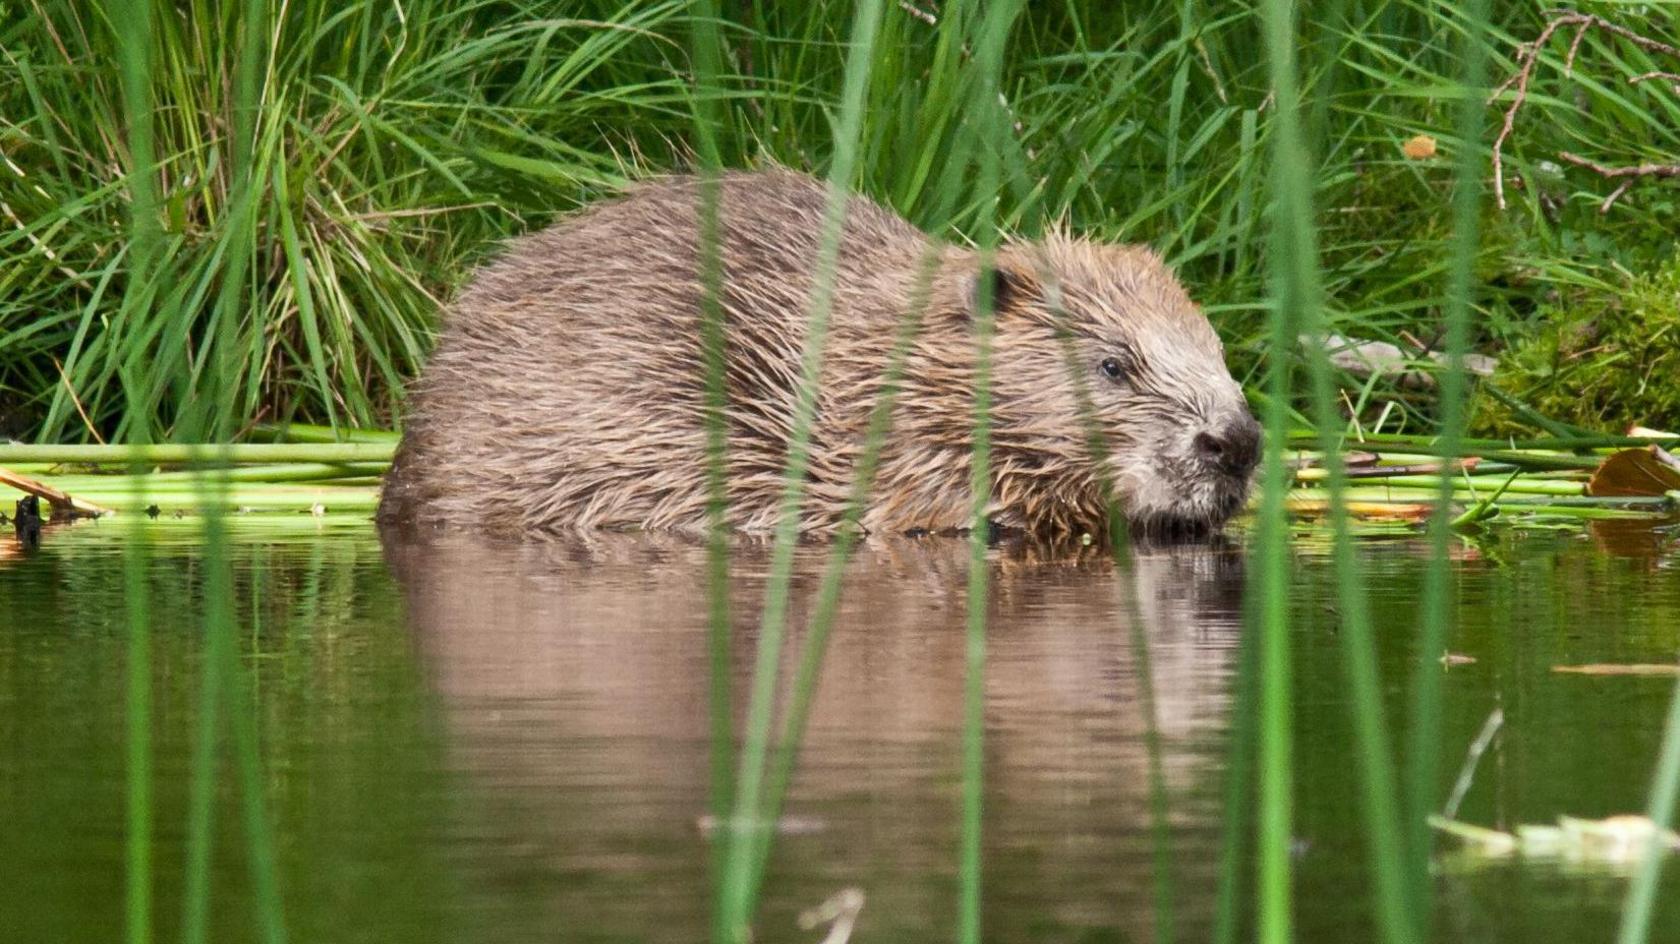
[739,903]
[1423,743]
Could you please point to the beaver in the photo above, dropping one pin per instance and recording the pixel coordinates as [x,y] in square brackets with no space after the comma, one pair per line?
[567,389]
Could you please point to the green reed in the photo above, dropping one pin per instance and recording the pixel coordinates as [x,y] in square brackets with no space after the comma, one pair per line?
[737,903]
[134,41]
[139,741]
[1118,542]
[707,56]
[263,863]
[1239,771]
[992,128]
[1304,295]
[225,698]
[803,690]
[1641,897]
[225,687]
[1436,614]
[1292,281]
[804,684]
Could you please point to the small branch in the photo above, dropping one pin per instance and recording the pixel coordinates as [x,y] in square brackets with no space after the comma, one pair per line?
[1528,55]
[918,13]
[1626,174]
[1574,48]
[1615,195]
[1635,170]
[64,506]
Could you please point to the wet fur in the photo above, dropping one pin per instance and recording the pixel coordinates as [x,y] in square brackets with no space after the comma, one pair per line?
[566,391]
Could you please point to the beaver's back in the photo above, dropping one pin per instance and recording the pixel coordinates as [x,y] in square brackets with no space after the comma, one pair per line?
[567,387]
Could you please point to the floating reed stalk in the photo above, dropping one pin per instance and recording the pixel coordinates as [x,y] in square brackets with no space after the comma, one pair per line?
[196,454]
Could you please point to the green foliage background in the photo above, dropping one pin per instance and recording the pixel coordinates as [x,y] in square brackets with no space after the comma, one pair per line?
[1601,361]
[397,144]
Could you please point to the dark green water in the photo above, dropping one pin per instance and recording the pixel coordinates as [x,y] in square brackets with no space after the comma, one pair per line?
[472,743]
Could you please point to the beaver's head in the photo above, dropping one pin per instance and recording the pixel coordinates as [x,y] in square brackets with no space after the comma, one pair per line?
[1106,332]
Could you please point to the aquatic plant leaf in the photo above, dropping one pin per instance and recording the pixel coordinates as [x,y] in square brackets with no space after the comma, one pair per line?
[1634,472]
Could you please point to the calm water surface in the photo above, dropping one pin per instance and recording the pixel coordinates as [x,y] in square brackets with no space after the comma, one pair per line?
[466,742]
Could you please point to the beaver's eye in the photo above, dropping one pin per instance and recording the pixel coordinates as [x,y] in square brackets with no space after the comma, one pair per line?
[1111,368]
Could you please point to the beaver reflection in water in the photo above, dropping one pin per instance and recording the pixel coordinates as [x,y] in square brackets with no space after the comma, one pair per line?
[567,390]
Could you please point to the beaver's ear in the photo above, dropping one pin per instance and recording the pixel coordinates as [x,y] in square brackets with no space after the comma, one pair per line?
[1012,285]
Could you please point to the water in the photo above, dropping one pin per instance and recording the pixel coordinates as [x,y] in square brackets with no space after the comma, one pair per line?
[465,742]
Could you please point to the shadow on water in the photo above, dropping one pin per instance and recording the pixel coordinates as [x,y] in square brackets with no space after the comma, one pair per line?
[574,683]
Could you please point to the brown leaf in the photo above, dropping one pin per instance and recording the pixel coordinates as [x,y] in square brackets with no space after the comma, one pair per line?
[1634,472]
[1418,147]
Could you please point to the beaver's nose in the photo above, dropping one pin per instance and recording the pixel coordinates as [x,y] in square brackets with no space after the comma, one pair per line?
[1235,449]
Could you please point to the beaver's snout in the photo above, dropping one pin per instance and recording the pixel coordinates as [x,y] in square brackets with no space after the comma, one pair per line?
[1233,448]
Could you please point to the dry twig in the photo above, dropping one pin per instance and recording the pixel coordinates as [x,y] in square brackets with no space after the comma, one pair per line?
[1528,55]
[63,504]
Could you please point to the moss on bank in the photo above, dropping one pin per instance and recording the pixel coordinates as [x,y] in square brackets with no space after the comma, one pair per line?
[1599,361]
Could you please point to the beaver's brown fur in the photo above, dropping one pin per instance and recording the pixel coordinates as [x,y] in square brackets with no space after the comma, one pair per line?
[566,391]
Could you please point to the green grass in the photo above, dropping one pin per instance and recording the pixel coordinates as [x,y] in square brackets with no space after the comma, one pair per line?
[738,891]
[1422,793]
[304,245]
[988,113]
[1294,286]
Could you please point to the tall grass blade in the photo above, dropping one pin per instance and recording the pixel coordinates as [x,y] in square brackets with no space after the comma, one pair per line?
[991,129]
[1160,813]
[216,424]
[139,738]
[195,909]
[134,49]
[1423,745]
[1239,771]
[737,889]
[242,716]
[946,191]
[1117,533]
[1291,267]
[804,687]
[1640,904]
[1378,794]
[707,56]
